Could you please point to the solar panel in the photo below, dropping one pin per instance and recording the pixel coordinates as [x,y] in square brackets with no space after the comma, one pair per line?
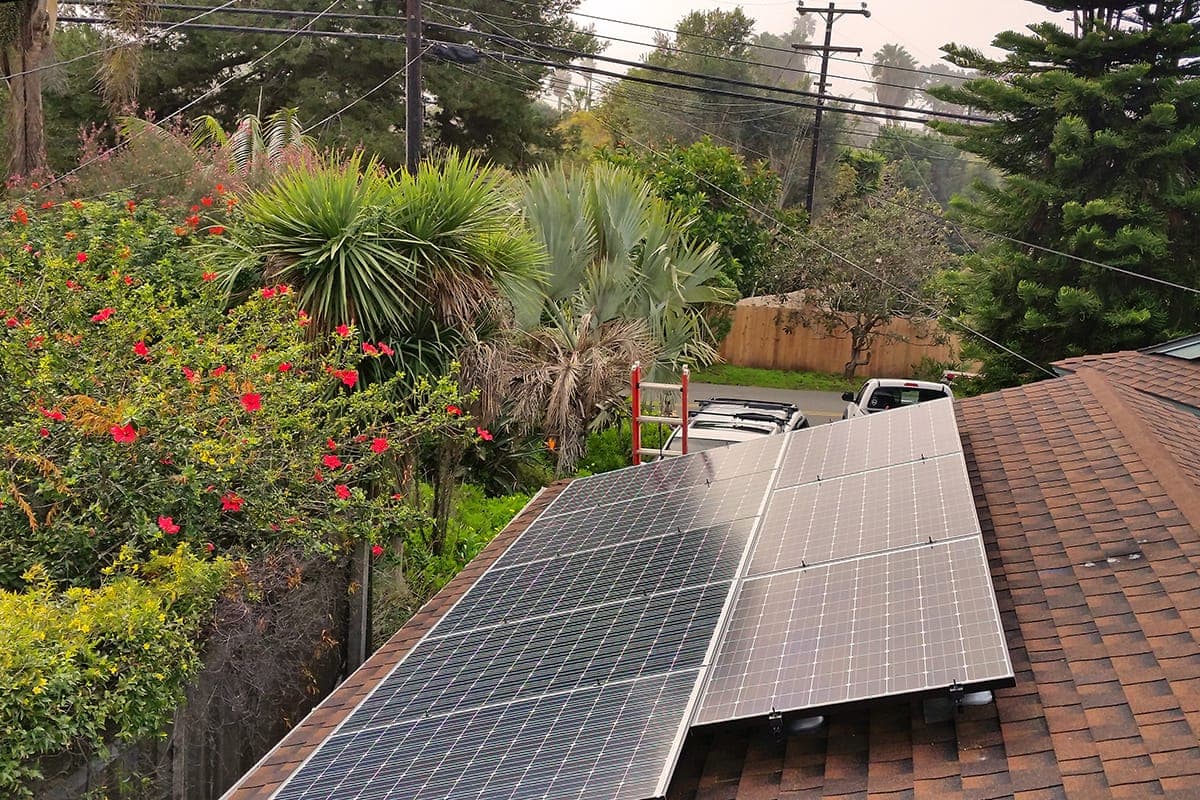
[894,623]
[596,742]
[867,578]
[868,512]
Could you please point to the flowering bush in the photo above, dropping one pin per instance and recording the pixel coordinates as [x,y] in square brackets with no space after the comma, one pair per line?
[138,414]
[79,665]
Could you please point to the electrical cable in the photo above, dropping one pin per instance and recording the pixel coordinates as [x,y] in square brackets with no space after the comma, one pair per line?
[190,104]
[369,92]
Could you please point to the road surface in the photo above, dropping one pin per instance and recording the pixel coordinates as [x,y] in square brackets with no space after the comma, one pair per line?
[819,407]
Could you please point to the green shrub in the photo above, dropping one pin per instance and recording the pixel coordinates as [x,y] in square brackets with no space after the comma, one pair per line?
[612,447]
[136,412]
[80,666]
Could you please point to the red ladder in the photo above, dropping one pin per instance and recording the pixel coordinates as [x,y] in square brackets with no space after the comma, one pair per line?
[635,393]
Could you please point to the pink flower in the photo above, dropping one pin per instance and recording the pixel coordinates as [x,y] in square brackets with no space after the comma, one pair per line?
[342,491]
[123,434]
[168,525]
[251,401]
[343,330]
[302,318]
[484,434]
[103,314]
[370,349]
[331,461]
[387,351]
[230,501]
[209,546]
[376,550]
[379,445]
[141,349]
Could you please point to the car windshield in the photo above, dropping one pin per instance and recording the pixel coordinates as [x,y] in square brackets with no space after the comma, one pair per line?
[896,396]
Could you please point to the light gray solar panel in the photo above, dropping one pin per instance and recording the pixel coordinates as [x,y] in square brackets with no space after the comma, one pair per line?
[894,623]
[866,512]
[871,442]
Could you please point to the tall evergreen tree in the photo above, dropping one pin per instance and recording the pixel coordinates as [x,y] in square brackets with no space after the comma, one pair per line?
[1096,135]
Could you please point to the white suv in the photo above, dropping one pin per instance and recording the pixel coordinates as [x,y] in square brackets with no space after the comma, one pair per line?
[880,394]
[726,420]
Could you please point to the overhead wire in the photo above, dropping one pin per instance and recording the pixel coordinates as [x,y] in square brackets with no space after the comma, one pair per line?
[105,154]
[844,259]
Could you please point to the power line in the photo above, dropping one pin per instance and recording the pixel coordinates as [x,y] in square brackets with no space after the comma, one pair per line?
[671,48]
[191,103]
[368,93]
[782,226]
[93,53]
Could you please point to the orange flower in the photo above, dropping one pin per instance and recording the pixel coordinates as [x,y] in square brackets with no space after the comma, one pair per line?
[20,216]
[69,236]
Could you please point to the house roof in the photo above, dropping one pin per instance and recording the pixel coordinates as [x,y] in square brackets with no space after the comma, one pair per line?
[1087,491]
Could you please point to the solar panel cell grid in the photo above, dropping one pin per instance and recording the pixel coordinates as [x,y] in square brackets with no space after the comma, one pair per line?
[596,576]
[867,512]
[594,742]
[887,624]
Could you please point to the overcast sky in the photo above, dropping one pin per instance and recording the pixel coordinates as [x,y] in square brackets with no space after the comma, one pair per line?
[922,26]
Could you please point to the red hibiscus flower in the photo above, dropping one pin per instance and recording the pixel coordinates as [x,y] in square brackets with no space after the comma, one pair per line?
[317,476]
[48,204]
[209,546]
[387,351]
[331,444]
[231,501]
[376,550]
[131,206]
[219,371]
[189,374]
[454,411]
[302,318]
[206,201]
[343,491]
[73,286]
[76,204]
[220,188]
[251,401]
[81,257]
[216,230]
[54,414]
[484,434]
[370,349]
[141,349]
[331,461]
[103,314]
[208,276]
[20,215]
[127,280]
[379,445]
[193,220]
[123,434]
[43,432]
[168,525]
[285,366]
[347,376]
[343,330]
[267,292]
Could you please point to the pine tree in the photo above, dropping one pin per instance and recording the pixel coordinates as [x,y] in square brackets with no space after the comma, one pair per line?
[1096,135]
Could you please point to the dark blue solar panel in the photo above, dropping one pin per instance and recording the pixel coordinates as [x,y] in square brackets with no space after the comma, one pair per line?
[557,585]
[596,742]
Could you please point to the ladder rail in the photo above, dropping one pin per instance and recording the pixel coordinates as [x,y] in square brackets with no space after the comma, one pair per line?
[635,395]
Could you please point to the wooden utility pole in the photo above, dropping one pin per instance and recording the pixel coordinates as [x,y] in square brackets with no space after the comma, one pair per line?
[414,102]
[830,14]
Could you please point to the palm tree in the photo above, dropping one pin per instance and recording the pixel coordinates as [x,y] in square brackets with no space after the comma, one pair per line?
[893,71]
[623,284]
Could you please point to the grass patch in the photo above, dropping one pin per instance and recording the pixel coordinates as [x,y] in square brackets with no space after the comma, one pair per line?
[731,375]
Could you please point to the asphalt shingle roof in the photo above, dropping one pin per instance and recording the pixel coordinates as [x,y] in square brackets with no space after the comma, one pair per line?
[1088,495]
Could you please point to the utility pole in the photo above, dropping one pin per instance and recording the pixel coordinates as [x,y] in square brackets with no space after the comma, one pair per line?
[414,98]
[830,14]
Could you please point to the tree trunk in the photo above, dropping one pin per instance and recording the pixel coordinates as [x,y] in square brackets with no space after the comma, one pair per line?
[860,343]
[27,124]
[443,495]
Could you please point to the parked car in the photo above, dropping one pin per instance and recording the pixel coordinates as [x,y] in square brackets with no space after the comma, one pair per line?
[722,421]
[881,394]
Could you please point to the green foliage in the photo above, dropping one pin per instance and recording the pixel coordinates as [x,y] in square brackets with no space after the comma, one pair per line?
[83,665]
[1096,136]
[730,202]
[136,413]
[338,81]
[413,259]
[732,375]
[611,447]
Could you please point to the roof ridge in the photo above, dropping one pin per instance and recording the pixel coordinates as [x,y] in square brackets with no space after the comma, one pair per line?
[1148,446]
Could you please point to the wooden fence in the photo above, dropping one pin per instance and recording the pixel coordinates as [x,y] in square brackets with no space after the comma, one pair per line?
[771,336]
